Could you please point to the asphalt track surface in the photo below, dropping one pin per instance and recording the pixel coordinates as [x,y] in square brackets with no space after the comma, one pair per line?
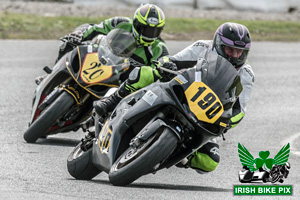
[38,171]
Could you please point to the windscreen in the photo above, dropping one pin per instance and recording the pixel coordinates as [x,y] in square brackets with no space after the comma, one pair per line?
[116,47]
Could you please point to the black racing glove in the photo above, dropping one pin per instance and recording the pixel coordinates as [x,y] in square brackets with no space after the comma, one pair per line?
[74,38]
[164,73]
[69,42]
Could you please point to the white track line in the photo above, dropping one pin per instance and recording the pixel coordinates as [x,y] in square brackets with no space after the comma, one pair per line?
[291,140]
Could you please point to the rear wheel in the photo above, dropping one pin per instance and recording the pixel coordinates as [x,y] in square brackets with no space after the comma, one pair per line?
[47,118]
[138,161]
[80,164]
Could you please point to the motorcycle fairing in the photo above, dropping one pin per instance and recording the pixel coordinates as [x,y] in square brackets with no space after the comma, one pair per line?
[104,148]
[51,81]
[92,71]
[117,125]
[151,98]
[212,89]
[104,139]
[212,111]
[90,74]
[204,103]
[217,83]
[73,92]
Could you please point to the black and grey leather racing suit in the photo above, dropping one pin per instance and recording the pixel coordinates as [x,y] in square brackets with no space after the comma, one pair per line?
[206,158]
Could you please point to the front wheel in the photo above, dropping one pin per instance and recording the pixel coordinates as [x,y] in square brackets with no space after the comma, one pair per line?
[138,161]
[80,164]
[39,127]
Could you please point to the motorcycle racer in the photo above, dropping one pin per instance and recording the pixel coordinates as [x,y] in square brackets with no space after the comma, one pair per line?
[146,26]
[231,41]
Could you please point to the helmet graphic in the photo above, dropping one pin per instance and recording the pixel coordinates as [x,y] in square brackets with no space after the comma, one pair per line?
[148,22]
[232,35]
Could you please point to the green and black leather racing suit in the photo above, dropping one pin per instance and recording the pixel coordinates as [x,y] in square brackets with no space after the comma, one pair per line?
[143,55]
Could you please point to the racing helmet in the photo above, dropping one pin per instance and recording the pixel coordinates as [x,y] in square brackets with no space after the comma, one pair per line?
[233,35]
[148,22]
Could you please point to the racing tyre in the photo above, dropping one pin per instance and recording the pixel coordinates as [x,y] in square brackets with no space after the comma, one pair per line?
[141,160]
[80,164]
[47,118]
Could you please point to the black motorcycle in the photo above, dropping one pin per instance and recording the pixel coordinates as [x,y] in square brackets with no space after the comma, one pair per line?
[63,99]
[161,124]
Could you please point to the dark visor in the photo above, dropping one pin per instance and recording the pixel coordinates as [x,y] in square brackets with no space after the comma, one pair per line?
[150,32]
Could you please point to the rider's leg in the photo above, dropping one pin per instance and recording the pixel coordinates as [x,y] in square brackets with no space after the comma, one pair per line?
[205,159]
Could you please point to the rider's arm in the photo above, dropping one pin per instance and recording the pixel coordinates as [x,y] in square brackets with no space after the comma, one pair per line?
[188,57]
[240,107]
[91,30]
[159,49]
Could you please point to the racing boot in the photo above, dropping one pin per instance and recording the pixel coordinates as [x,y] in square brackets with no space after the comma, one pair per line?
[107,104]
[204,160]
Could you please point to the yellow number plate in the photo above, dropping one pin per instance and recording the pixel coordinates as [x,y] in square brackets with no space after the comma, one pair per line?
[203,102]
[92,71]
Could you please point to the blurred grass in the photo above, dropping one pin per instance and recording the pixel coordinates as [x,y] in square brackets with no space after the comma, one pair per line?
[26,26]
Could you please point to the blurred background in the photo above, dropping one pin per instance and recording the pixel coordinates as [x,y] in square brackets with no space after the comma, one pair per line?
[29,40]
[267,20]
[253,5]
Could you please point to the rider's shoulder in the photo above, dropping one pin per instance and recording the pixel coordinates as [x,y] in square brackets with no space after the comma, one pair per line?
[158,43]
[202,43]
[115,21]
[246,72]
[159,47]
